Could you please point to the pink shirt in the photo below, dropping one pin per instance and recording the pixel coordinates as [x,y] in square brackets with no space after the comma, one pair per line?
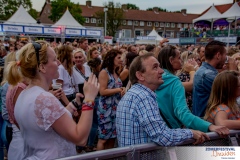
[9,100]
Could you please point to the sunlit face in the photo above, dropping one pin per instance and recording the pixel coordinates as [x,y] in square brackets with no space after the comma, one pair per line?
[79,58]
[52,65]
[118,61]
[95,54]
[84,45]
[176,61]
[152,77]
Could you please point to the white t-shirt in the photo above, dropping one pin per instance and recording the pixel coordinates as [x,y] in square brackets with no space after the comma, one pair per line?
[78,78]
[35,111]
[68,84]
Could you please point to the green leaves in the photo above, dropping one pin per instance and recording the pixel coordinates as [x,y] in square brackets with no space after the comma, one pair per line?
[115,15]
[60,6]
[9,7]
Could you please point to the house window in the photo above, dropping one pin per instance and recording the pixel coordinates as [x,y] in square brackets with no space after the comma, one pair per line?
[156,24]
[149,23]
[115,22]
[93,20]
[99,21]
[129,23]
[172,25]
[135,23]
[190,25]
[167,24]
[179,25]
[137,33]
[185,25]
[86,20]
[124,22]
[141,23]
[161,24]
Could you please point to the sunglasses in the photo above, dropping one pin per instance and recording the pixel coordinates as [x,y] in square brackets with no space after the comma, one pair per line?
[37,47]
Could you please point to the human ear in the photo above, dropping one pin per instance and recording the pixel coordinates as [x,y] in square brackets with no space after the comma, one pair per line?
[171,60]
[139,76]
[42,68]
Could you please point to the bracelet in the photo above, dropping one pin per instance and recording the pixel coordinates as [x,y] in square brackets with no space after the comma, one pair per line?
[86,108]
[196,66]
[191,72]
[78,107]
[89,103]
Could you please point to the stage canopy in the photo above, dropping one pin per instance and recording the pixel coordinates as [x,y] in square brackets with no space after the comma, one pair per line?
[67,21]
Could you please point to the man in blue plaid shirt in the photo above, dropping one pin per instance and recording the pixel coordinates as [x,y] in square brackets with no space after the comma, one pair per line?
[138,119]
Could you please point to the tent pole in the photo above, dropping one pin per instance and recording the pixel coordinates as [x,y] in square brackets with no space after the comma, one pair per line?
[211,27]
[235,27]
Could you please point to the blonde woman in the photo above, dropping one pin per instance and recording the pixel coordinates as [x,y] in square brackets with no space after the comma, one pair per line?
[93,53]
[49,131]
[222,108]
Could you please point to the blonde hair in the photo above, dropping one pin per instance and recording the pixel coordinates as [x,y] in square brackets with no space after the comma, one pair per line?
[236,55]
[10,57]
[27,63]
[223,91]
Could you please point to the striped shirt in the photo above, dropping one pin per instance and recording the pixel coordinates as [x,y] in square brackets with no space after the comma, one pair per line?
[226,109]
[138,120]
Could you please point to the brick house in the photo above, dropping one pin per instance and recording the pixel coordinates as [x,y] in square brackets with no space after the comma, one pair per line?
[138,22]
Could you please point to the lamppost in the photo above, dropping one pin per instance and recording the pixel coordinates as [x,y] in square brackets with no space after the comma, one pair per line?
[229,20]
[105,24]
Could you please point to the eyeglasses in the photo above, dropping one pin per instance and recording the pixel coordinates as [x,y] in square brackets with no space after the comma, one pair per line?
[37,47]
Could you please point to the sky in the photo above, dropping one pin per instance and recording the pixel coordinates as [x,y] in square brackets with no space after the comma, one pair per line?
[192,6]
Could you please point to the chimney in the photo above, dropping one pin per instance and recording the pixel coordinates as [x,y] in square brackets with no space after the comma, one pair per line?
[124,6]
[184,11]
[236,1]
[155,9]
[89,3]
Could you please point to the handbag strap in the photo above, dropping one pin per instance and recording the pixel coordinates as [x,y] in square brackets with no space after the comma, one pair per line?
[81,73]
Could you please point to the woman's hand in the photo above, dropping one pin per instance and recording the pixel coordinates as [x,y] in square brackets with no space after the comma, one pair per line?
[123,91]
[91,88]
[188,67]
[57,93]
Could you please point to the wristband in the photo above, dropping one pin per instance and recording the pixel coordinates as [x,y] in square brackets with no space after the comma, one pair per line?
[88,103]
[86,108]
[191,72]
[195,66]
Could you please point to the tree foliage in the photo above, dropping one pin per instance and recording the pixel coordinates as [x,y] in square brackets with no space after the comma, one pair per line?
[33,13]
[132,6]
[9,7]
[159,9]
[115,16]
[59,7]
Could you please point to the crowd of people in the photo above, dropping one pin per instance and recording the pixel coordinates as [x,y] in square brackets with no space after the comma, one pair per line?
[79,97]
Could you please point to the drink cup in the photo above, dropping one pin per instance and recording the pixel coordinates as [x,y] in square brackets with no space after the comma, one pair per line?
[56,86]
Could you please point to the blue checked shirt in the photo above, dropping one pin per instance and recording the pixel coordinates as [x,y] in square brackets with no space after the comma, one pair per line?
[138,120]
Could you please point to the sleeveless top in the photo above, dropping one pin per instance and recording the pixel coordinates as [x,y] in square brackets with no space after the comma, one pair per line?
[226,109]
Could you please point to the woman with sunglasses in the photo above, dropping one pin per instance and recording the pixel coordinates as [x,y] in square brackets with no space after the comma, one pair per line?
[47,127]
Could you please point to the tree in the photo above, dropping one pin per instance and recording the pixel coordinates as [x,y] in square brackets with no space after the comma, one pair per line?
[33,13]
[59,8]
[115,16]
[132,6]
[159,9]
[9,7]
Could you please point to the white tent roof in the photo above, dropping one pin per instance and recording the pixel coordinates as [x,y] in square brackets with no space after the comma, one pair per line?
[233,12]
[22,17]
[211,14]
[155,34]
[68,21]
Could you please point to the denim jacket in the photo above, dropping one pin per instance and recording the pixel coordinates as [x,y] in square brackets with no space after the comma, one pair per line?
[202,86]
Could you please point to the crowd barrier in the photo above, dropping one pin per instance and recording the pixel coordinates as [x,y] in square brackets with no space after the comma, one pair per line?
[151,151]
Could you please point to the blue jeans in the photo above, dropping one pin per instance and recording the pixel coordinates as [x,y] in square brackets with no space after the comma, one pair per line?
[1,141]
[93,132]
[6,134]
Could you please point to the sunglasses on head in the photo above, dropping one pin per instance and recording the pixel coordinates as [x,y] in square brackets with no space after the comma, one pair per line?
[37,47]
